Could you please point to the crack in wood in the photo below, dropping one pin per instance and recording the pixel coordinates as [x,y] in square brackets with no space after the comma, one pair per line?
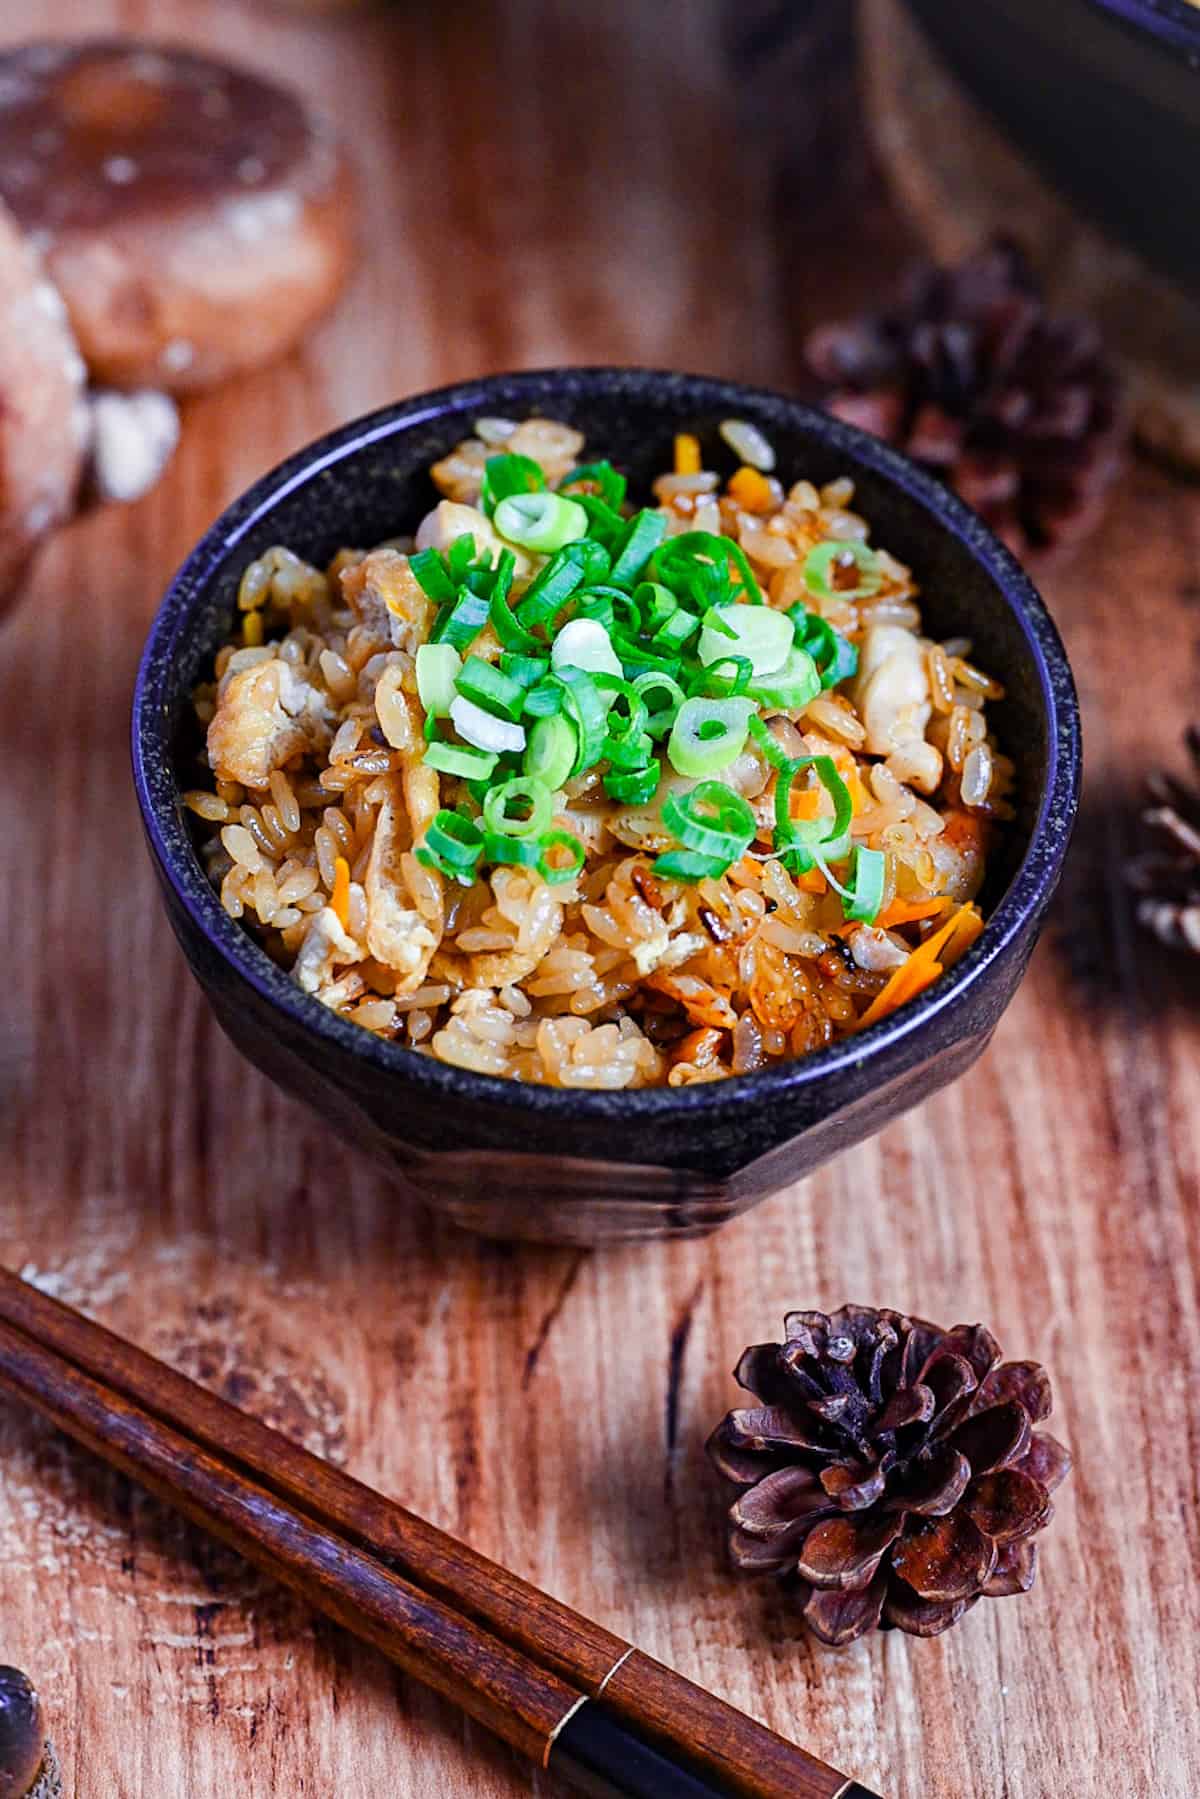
[676,1354]
[550,1319]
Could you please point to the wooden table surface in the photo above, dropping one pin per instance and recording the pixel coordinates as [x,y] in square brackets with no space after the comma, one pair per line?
[546,183]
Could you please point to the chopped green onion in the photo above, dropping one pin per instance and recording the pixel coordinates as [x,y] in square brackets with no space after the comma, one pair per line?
[576,565]
[802,842]
[760,633]
[645,532]
[456,759]
[490,688]
[589,712]
[712,820]
[686,865]
[504,805]
[544,700]
[551,750]
[790,687]
[601,475]
[526,671]
[430,571]
[460,557]
[460,623]
[605,524]
[675,631]
[453,845]
[484,729]
[544,522]
[504,476]
[703,564]
[659,718]
[835,656]
[584,643]
[654,605]
[524,852]
[629,753]
[438,667]
[636,659]
[512,634]
[825,561]
[633,787]
[626,743]
[707,735]
[556,872]
[714,683]
[866,893]
[773,751]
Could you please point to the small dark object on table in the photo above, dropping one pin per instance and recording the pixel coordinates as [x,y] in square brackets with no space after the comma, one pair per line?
[1017,410]
[891,1470]
[1168,876]
[26,1766]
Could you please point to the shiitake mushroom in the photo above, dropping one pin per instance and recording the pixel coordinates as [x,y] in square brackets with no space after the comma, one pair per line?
[22,1741]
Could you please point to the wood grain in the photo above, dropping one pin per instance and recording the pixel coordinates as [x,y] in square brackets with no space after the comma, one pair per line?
[532,195]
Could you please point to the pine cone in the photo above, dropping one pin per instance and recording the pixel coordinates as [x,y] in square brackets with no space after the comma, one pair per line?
[891,1470]
[1169,878]
[1018,411]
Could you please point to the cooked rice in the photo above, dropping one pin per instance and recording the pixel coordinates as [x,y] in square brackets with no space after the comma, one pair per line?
[314,795]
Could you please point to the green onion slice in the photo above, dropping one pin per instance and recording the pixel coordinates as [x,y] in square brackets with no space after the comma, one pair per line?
[712,820]
[865,896]
[586,707]
[653,604]
[584,643]
[461,558]
[544,522]
[760,633]
[458,759]
[556,871]
[661,713]
[521,851]
[526,671]
[723,680]
[491,688]
[835,656]
[460,623]
[703,565]
[601,476]
[676,631]
[430,571]
[551,750]
[772,749]
[687,865]
[633,787]
[707,735]
[802,842]
[645,532]
[453,845]
[521,807]
[544,700]
[827,565]
[504,476]
[791,687]
[438,667]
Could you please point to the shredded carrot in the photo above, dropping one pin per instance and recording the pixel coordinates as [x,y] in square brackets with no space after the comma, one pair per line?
[909,911]
[812,882]
[749,489]
[252,630]
[339,899]
[687,454]
[806,803]
[922,968]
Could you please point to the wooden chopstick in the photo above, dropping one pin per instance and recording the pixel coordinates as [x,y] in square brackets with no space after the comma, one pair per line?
[721,1743]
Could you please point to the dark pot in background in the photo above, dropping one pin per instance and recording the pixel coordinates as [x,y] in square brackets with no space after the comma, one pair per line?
[563,1165]
[1104,96]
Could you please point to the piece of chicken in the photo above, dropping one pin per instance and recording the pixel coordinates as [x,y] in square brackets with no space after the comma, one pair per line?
[398,933]
[891,689]
[388,600]
[265,715]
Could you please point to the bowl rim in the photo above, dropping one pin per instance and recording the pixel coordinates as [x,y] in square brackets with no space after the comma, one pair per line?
[1019,907]
[1173,23]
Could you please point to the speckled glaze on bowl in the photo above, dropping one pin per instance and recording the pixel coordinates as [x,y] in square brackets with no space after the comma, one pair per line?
[519,1161]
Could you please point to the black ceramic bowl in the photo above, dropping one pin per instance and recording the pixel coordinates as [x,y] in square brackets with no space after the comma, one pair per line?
[521,1161]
